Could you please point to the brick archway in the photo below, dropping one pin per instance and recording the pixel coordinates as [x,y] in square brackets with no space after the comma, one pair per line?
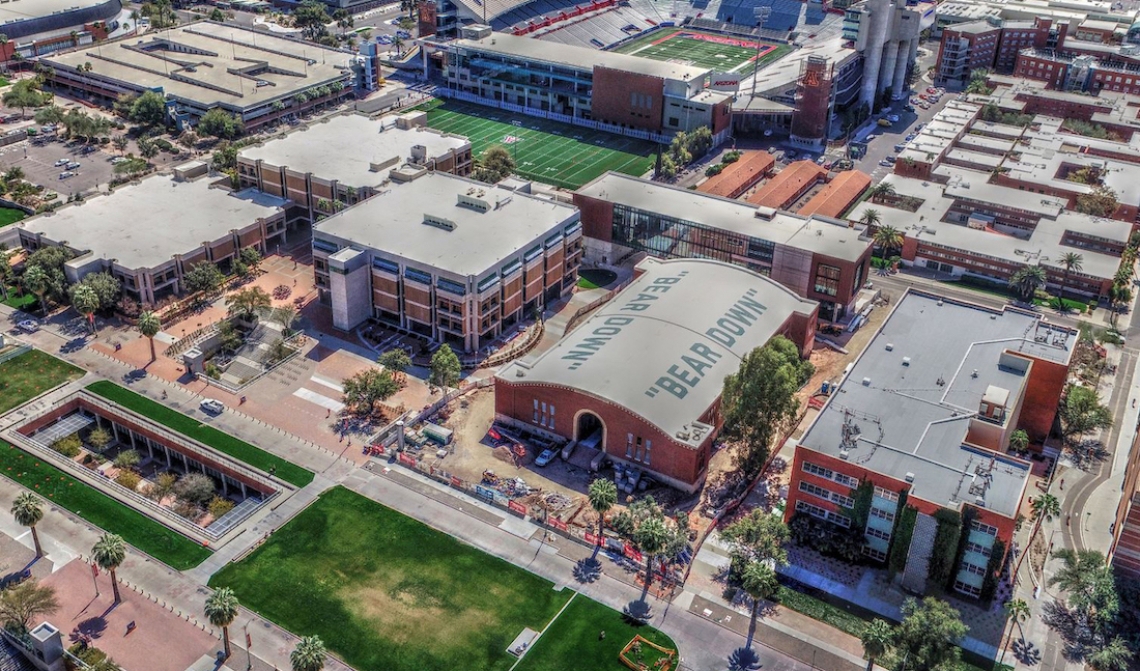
[586,422]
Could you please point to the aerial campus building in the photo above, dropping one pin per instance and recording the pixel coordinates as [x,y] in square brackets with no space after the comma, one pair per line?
[818,258]
[640,380]
[446,258]
[105,232]
[911,447]
[887,34]
[257,76]
[624,94]
[346,159]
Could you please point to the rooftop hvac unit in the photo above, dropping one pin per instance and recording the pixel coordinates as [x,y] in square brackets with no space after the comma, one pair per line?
[906,361]
[890,347]
[866,382]
[909,477]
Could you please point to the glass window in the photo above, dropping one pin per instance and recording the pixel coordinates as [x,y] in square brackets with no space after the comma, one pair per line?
[827,279]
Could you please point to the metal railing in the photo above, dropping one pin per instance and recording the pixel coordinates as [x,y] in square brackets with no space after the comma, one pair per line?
[15,352]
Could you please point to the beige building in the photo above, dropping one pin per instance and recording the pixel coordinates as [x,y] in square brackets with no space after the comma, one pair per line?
[349,158]
[151,233]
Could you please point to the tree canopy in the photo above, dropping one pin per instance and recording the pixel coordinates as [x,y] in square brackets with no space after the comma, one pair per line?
[368,387]
[312,18]
[148,109]
[929,634]
[445,367]
[495,165]
[204,276]
[1082,412]
[20,603]
[220,124]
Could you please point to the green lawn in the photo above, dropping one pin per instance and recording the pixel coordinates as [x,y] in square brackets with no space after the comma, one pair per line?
[592,278]
[386,592]
[10,215]
[545,151]
[31,374]
[25,302]
[207,435]
[722,53]
[572,641]
[165,545]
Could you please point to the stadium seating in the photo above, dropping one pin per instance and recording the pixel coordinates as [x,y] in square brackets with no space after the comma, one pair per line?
[782,14]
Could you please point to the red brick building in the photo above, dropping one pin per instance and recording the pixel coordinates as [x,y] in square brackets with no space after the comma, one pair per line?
[788,185]
[992,45]
[640,380]
[912,448]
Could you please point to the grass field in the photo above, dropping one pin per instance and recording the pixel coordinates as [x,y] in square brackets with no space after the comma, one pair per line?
[546,151]
[719,52]
[10,215]
[572,641]
[208,435]
[31,374]
[592,278]
[165,545]
[386,592]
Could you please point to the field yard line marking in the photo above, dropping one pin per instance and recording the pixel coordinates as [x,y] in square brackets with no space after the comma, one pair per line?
[552,620]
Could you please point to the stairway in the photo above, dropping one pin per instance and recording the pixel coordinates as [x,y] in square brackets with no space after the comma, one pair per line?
[918,557]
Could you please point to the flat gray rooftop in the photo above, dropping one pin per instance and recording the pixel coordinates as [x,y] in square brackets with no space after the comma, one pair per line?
[344,147]
[144,225]
[210,63]
[657,324]
[25,10]
[394,222]
[913,418]
[543,51]
[814,234]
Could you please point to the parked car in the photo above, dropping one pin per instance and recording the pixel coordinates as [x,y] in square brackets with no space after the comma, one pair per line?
[212,406]
[73,166]
[892,158]
[29,326]
[545,458]
[900,147]
[931,89]
[884,123]
[893,118]
[885,163]
[61,162]
[65,174]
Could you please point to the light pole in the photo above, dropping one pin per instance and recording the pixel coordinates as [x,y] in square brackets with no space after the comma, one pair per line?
[248,649]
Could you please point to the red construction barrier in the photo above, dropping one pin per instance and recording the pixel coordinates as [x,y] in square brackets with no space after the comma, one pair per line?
[517,507]
[594,539]
[456,482]
[559,524]
[631,552]
[406,459]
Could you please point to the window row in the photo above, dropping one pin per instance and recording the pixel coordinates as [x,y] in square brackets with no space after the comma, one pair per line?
[636,450]
[826,494]
[816,511]
[543,418]
[828,474]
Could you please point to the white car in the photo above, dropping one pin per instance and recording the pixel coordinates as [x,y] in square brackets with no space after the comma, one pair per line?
[62,161]
[213,406]
[545,458]
[28,326]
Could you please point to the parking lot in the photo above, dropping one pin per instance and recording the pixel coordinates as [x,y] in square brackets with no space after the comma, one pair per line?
[38,164]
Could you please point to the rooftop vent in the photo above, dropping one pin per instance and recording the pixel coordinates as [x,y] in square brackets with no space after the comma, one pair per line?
[939,304]
[906,361]
[975,373]
[980,502]
[909,477]
[890,347]
[866,382]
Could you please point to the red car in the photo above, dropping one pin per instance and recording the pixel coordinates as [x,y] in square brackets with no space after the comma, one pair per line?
[931,89]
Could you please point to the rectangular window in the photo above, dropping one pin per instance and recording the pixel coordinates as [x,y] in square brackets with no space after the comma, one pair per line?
[886,494]
[980,549]
[827,279]
[877,555]
[829,474]
[827,494]
[984,528]
[967,589]
[883,514]
[816,511]
[648,445]
[551,423]
[535,417]
[876,533]
[629,446]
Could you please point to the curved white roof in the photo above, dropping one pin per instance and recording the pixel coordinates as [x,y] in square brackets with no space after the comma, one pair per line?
[663,346]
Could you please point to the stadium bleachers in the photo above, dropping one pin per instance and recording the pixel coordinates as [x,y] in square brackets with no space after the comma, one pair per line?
[781,14]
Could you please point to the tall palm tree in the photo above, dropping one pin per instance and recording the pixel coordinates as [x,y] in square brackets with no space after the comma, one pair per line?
[1119,296]
[1026,280]
[86,302]
[651,537]
[871,217]
[109,552]
[36,280]
[309,655]
[221,610]
[1112,657]
[1071,262]
[1018,611]
[877,639]
[887,238]
[28,513]
[603,496]
[149,325]
[1087,579]
[759,581]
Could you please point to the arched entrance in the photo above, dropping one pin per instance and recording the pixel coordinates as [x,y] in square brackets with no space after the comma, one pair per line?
[589,430]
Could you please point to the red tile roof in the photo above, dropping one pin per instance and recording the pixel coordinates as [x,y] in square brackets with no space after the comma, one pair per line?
[834,199]
[738,177]
[788,185]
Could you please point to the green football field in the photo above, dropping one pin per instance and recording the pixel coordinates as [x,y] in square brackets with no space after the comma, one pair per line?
[545,151]
[721,53]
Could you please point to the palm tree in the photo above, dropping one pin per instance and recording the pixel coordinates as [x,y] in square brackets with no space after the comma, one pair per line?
[149,325]
[880,191]
[1018,611]
[1119,296]
[877,639]
[1087,579]
[886,238]
[309,655]
[1045,508]
[1026,280]
[758,580]
[86,302]
[1112,657]
[1071,261]
[109,553]
[651,537]
[36,280]
[603,496]
[221,610]
[871,217]
[28,513]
